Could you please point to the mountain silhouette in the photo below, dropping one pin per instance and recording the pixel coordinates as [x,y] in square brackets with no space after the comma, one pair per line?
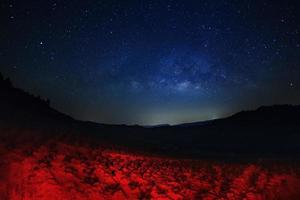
[266,131]
[20,108]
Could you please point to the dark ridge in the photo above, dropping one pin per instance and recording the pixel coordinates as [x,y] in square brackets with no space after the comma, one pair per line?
[20,108]
[268,130]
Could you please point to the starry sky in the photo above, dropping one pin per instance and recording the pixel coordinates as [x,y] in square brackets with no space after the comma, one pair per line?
[153,62]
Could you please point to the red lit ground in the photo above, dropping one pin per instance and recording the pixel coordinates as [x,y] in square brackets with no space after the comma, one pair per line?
[60,171]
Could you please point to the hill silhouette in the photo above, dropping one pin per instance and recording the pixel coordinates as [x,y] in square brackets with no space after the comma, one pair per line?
[19,108]
[268,130]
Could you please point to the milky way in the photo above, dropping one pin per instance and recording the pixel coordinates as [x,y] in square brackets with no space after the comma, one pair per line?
[152,62]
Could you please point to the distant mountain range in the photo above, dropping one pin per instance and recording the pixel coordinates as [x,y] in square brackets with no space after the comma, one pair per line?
[268,130]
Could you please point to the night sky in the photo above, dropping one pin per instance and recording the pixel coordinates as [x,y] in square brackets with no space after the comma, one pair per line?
[153,62]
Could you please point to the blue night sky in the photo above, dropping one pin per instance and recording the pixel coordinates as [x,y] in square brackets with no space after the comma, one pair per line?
[153,62]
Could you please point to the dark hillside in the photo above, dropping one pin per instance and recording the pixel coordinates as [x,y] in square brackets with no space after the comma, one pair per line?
[269,130]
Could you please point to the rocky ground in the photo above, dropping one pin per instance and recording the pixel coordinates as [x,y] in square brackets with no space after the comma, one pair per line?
[46,169]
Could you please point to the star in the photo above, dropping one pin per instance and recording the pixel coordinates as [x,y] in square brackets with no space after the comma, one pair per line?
[192,54]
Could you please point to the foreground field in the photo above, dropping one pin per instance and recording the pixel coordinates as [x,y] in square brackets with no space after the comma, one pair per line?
[59,171]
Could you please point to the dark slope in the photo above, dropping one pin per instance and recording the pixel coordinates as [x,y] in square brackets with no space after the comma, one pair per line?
[19,108]
[269,130]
